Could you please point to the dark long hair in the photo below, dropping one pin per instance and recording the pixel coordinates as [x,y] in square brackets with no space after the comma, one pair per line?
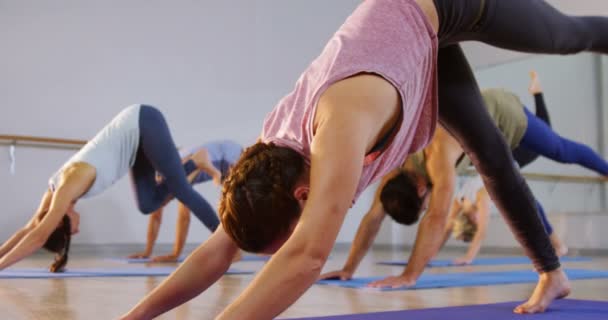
[59,243]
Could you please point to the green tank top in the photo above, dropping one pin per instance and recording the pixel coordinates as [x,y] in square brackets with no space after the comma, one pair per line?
[417,162]
[507,111]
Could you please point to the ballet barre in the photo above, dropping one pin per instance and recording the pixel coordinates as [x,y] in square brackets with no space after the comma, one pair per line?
[41,142]
[548,177]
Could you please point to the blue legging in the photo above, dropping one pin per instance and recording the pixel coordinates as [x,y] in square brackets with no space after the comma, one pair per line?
[157,152]
[540,138]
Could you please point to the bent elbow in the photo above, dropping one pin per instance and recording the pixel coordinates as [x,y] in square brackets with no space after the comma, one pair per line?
[313,263]
[310,258]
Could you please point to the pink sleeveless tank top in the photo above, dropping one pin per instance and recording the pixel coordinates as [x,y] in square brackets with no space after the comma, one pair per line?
[391,38]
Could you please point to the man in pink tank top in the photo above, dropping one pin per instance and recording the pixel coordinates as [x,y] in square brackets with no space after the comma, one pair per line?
[361,107]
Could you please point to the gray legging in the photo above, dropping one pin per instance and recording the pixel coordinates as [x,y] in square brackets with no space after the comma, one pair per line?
[523,25]
[157,152]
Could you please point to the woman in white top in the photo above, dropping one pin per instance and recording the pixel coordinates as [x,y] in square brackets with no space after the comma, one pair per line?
[136,141]
[469,217]
[222,154]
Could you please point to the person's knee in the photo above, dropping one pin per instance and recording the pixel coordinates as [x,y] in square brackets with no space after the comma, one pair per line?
[186,195]
[157,217]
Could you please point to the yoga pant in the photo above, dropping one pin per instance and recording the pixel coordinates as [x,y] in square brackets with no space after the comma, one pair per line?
[222,165]
[522,25]
[541,139]
[523,156]
[157,152]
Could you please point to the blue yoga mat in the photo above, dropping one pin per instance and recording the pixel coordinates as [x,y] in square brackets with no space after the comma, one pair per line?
[181,259]
[467,279]
[559,310]
[95,272]
[483,261]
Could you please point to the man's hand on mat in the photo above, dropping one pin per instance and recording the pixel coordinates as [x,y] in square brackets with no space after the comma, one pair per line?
[393,282]
[551,285]
[167,258]
[337,275]
[462,261]
[140,255]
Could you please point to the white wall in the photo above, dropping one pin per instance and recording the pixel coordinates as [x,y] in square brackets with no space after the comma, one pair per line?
[214,67]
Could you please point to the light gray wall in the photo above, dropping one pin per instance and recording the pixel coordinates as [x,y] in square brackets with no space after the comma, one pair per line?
[215,68]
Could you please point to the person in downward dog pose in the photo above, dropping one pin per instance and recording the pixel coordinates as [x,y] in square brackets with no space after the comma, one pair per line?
[137,141]
[469,217]
[370,99]
[222,154]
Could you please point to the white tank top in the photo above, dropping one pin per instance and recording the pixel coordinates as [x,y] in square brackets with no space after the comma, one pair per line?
[112,152]
[470,185]
[469,188]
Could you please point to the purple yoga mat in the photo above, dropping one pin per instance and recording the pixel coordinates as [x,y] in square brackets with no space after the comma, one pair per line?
[559,310]
[247,258]
[467,279]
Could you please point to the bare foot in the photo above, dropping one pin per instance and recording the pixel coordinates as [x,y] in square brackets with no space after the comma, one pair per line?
[551,285]
[560,248]
[534,84]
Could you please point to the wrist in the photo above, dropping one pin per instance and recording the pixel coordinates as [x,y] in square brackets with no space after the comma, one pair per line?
[408,275]
[349,269]
[136,314]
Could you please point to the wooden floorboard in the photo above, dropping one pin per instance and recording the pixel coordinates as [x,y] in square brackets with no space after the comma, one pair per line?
[108,298]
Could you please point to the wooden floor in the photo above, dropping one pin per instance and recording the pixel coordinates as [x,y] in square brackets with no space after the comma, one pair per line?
[108,298]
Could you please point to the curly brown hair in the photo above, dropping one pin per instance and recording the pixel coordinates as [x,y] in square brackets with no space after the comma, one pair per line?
[257,205]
